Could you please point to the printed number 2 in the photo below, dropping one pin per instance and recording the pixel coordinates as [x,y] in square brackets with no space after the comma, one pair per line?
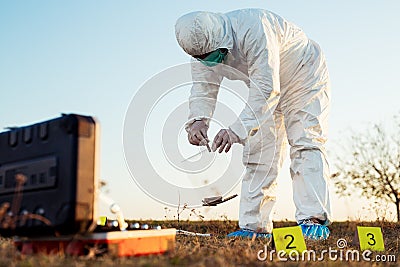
[290,243]
[371,237]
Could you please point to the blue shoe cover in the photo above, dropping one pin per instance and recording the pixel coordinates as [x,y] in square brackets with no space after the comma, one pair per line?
[248,234]
[315,231]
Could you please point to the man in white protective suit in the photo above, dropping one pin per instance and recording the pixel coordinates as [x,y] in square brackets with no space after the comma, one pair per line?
[289,93]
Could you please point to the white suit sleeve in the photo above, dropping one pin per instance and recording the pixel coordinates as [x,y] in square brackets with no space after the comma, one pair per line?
[204,92]
[261,49]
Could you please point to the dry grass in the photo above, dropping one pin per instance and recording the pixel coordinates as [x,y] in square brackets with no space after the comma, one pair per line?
[213,251]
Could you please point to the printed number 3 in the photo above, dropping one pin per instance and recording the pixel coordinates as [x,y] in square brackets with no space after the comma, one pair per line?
[371,237]
[291,241]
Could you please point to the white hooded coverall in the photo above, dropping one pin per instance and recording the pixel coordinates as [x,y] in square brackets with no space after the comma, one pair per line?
[287,77]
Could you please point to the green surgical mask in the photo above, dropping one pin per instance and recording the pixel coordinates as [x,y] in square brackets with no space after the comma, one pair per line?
[214,58]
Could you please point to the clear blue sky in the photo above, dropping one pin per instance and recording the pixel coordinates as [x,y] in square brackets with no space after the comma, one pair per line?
[90,57]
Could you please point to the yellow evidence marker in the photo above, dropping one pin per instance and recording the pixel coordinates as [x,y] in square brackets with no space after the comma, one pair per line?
[102,220]
[370,238]
[289,239]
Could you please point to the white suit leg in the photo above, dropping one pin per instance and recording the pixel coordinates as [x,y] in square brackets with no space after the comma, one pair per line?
[263,156]
[306,127]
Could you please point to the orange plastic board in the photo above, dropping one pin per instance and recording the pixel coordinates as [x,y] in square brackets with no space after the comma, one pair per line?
[120,244]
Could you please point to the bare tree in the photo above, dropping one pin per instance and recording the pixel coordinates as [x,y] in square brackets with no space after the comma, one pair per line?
[371,163]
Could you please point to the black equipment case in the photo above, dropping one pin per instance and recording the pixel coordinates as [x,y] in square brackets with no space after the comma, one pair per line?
[48,177]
